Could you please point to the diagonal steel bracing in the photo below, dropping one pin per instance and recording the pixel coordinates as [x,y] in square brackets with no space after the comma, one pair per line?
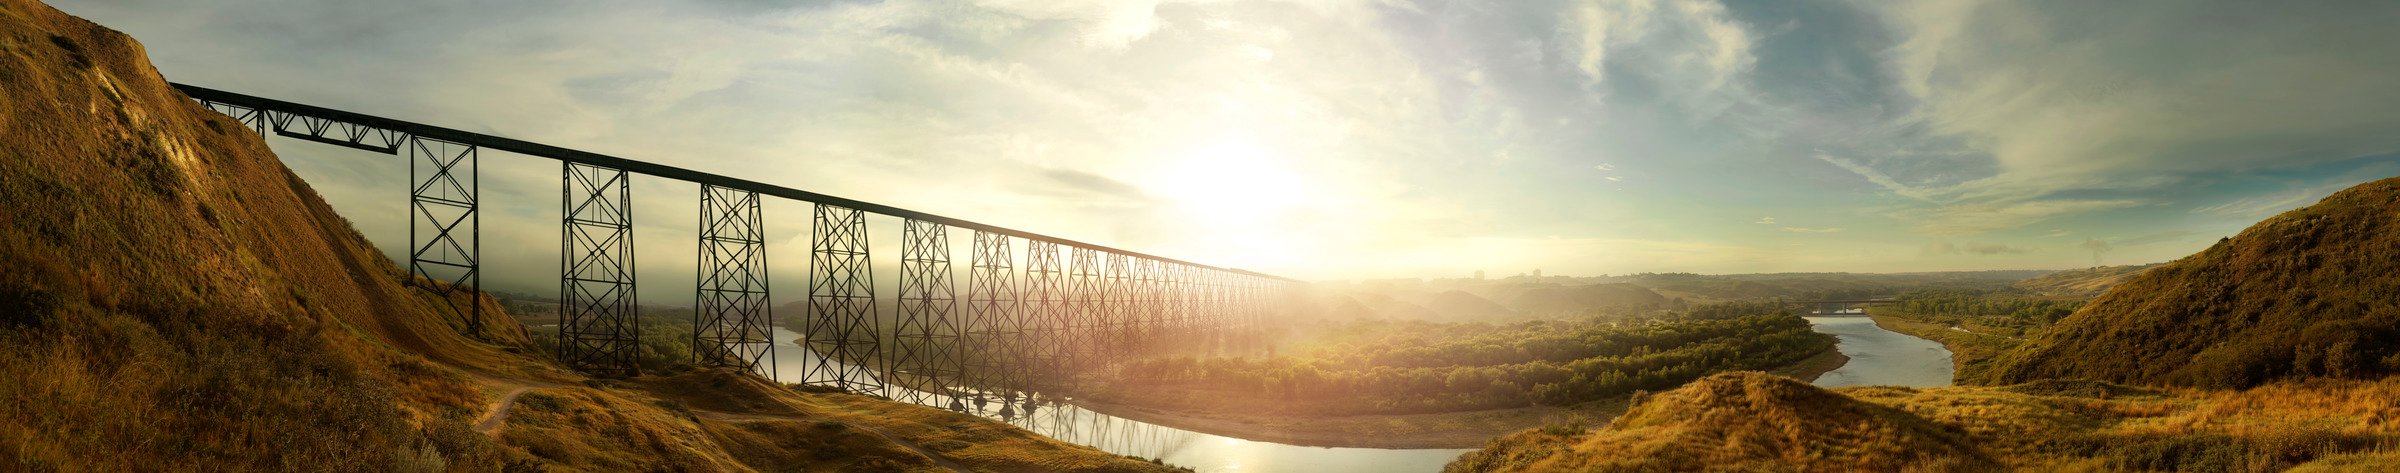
[1116,310]
[443,227]
[732,318]
[995,327]
[599,329]
[843,334]
[1045,311]
[1145,305]
[251,117]
[336,132]
[1083,313]
[926,341]
[1075,310]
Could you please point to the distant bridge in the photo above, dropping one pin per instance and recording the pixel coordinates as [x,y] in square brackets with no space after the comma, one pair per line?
[1839,306]
[1023,323]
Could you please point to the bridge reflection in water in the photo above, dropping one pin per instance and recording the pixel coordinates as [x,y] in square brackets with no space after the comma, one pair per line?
[1203,452]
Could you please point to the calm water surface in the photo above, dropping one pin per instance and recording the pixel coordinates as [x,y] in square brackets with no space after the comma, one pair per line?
[1198,451]
[1882,357]
[1877,357]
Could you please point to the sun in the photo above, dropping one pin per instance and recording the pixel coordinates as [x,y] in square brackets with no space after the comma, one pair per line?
[1231,182]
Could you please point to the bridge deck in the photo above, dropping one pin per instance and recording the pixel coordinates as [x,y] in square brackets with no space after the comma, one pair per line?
[652,169]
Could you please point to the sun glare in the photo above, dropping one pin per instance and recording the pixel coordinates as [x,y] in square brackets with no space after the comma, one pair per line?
[1232,182]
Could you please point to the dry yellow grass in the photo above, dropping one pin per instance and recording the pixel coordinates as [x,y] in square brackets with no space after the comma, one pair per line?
[2317,425]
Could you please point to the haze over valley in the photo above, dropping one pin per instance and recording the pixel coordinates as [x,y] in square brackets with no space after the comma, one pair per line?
[1224,236]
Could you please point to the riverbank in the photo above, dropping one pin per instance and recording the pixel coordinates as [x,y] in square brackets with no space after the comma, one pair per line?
[1813,367]
[1468,429]
[1400,431]
[1970,352]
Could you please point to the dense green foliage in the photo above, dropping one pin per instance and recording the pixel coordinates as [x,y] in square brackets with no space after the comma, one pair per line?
[666,339]
[1418,367]
[2009,312]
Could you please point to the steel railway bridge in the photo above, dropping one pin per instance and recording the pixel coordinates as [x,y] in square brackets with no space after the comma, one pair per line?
[1035,312]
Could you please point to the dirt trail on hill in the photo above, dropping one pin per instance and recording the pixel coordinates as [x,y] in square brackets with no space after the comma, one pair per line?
[490,425]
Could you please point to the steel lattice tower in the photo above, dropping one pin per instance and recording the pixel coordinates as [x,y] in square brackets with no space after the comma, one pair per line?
[598,327]
[926,342]
[1045,311]
[841,329]
[995,327]
[732,318]
[444,205]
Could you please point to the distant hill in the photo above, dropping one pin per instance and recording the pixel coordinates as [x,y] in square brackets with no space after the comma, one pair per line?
[1740,421]
[1575,299]
[2082,283]
[1456,305]
[2314,292]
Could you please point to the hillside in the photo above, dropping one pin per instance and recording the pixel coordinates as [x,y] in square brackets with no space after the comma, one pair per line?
[176,300]
[2314,292]
[1554,300]
[1742,421]
[1754,422]
[2082,283]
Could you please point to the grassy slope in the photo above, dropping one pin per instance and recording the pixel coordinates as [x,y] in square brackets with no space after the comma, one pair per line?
[1749,424]
[2298,312]
[177,299]
[2082,283]
[1739,421]
[2314,292]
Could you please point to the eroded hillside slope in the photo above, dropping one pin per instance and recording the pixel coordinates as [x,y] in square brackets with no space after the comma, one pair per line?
[2314,292]
[175,299]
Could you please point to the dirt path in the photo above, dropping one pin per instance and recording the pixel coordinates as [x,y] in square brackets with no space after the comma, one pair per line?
[498,413]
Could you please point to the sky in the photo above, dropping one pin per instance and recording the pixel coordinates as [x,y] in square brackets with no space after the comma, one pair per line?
[1348,139]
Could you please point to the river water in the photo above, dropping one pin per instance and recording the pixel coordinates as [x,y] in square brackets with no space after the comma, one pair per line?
[1202,452]
[1882,357]
[1877,357]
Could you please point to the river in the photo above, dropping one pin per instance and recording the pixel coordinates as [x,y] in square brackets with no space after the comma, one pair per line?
[1882,357]
[1877,356]
[1201,452]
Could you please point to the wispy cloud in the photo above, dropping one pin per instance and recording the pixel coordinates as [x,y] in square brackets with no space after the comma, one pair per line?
[1813,230]
[1939,248]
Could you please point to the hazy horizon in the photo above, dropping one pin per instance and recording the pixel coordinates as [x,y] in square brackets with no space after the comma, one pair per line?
[1359,140]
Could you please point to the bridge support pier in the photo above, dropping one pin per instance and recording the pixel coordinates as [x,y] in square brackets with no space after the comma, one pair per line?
[927,339]
[444,229]
[840,327]
[598,326]
[995,326]
[733,320]
[1047,318]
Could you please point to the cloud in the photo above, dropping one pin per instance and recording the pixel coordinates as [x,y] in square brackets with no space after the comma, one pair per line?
[1878,178]
[1692,47]
[2160,237]
[2098,247]
[1765,221]
[1812,230]
[2072,96]
[2057,233]
[1978,218]
[1939,248]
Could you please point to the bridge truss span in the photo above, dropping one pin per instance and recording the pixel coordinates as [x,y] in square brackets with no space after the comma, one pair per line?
[996,324]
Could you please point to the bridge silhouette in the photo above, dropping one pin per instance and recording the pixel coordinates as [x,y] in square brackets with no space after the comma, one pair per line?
[1030,323]
[1837,306]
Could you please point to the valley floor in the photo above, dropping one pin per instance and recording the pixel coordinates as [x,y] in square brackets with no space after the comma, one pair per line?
[1468,429]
